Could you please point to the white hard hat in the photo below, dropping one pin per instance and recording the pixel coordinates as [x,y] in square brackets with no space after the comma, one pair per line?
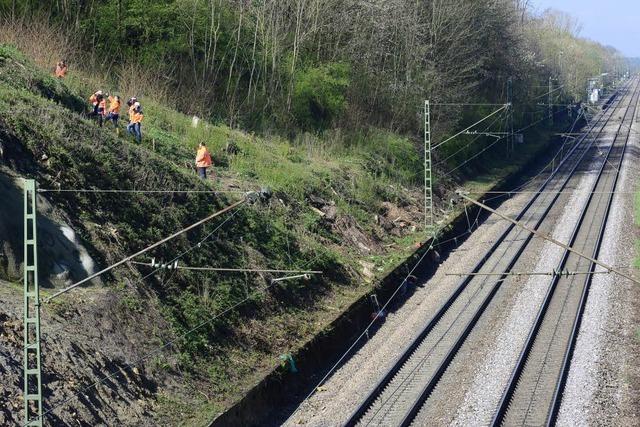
[137,104]
[99,92]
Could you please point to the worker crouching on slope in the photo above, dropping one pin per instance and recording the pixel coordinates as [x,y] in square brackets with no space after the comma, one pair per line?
[114,110]
[99,105]
[135,121]
[203,160]
[61,69]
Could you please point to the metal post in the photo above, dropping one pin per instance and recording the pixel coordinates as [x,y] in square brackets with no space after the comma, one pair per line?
[428,182]
[510,137]
[32,360]
[550,100]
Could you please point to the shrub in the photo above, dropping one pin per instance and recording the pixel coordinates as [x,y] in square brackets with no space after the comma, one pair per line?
[319,95]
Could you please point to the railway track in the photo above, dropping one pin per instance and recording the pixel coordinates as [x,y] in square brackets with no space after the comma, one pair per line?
[534,392]
[401,392]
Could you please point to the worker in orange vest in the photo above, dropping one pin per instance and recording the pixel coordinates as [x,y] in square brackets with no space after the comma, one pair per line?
[102,108]
[203,160]
[114,110]
[61,69]
[93,99]
[135,121]
[130,106]
[98,104]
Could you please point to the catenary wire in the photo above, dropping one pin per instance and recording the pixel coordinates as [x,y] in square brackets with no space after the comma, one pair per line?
[188,250]
[500,117]
[548,192]
[154,245]
[372,322]
[551,162]
[463,104]
[536,176]
[129,191]
[519,187]
[168,266]
[549,92]
[492,144]
[469,127]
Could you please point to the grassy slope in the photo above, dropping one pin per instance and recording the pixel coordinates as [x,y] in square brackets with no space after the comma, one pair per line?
[41,115]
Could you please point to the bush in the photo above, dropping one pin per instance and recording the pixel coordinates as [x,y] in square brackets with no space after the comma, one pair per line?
[390,156]
[319,95]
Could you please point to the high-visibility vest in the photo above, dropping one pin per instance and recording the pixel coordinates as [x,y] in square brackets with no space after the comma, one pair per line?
[137,117]
[61,71]
[203,158]
[114,105]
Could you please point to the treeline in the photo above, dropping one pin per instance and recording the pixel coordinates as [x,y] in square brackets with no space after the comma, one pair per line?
[316,64]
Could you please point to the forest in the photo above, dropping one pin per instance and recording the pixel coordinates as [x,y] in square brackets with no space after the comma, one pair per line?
[314,65]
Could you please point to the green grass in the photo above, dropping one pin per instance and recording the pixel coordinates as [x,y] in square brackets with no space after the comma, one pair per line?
[359,165]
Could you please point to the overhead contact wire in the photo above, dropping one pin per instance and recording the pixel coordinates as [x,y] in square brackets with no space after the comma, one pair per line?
[190,249]
[148,248]
[372,322]
[130,191]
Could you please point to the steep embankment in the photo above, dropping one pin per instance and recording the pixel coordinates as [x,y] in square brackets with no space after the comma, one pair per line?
[335,213]
[349,209]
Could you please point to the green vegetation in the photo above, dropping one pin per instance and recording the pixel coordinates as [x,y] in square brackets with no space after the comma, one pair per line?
[41,116]
[319,95]
[290,66]
[44,116]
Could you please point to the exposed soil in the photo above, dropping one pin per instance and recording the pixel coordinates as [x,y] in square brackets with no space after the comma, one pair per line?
[63,257]
[338,397]
[90,336]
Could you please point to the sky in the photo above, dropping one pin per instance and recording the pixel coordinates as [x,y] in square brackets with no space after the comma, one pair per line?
[614,22]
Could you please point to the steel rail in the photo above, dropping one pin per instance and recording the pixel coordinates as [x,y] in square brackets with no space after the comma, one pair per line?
[444,365]
[566,365]
[428,389]
[508,393]
[395,368]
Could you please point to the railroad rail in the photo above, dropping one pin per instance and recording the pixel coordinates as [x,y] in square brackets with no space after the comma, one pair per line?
[534,392]
[401,392]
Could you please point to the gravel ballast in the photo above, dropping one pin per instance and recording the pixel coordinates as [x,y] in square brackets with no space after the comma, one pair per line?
[348,386]
[603,377]
[594,391]
[599,389]
[493,373]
